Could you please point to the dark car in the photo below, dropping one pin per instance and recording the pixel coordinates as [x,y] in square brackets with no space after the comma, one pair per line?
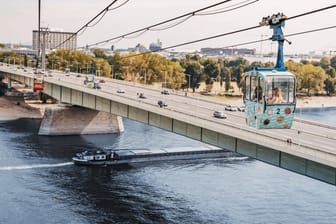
[142,96]
[121,91]
[231,108]
[165,92]
[162,103]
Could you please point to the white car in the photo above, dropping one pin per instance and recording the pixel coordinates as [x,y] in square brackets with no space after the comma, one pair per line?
[121,91]
[241,108]
[219,114]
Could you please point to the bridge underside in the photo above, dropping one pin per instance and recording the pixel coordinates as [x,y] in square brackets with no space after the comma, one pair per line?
[72,120]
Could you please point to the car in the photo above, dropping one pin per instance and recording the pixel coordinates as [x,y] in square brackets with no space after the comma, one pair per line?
[165,92]
[219,114]
[231,108]
[78,75]
[96,85]
[121,91]
[142,96]
[162,103]
[102,81]
[241,108]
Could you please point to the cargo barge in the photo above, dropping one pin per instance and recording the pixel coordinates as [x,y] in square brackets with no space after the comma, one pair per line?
[124,156]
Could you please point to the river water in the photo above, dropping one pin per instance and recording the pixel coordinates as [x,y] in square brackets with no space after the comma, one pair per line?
[39,184]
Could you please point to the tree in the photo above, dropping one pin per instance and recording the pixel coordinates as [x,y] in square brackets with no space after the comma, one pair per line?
[238,67]
[329,86]
[313,78]
[325,63]
[211,68]
[227,73]
[194,69]
[209,84]
[333,62]
[99,53]
[296,69]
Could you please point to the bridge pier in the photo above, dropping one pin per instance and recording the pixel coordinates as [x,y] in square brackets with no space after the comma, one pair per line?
[73,120]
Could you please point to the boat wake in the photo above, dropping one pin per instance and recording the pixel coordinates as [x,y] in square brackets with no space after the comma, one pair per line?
[237,158]
[34,166]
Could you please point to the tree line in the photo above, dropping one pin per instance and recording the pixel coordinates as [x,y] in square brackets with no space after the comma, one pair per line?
[313,77]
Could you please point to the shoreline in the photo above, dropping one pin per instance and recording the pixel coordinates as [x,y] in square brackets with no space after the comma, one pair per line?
[13,108]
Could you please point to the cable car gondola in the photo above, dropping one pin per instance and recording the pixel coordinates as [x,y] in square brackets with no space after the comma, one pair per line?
[270,93]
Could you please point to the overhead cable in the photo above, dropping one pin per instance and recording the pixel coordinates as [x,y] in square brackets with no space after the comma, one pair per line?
[238,31]
[229,8]
[181,19]
[288,35]
[83,28]
[312,12]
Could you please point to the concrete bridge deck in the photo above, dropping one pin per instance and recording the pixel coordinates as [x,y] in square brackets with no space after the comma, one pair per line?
[311,153]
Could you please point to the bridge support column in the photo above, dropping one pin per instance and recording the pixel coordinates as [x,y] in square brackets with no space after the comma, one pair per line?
[9,82]
[73,120]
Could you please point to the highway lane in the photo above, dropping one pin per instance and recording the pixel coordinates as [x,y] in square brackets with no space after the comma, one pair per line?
[301,133]
[201,107]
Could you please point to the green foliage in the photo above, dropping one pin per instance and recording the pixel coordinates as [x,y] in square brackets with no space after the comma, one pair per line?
[211,69]
[238,67]
[312,76]
[209,84]
[333,62]
[99,53]
[194,72]
[227,73]
[78,61]
[329,86]
[149,68]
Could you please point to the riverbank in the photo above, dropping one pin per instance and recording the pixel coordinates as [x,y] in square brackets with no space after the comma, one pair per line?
[12,108]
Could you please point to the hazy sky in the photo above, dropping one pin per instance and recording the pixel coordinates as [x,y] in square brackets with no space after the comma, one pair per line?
[19,18]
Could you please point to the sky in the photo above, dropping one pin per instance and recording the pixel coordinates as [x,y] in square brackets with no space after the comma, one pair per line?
[20,17]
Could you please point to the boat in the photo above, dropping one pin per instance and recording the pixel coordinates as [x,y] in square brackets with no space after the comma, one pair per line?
[125,156]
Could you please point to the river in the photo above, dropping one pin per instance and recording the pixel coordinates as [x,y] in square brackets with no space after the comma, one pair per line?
[39,184]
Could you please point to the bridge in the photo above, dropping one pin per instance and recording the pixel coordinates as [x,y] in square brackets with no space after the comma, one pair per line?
[312,151]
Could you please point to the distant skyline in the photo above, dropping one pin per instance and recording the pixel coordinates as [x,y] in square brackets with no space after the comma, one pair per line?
[19,18]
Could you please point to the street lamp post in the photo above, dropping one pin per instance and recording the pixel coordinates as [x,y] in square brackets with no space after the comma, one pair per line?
[188,81]
[145,76]
[165,83]
[112,71]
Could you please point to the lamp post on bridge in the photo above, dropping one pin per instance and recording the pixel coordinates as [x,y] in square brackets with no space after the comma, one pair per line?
[145,74]
[188,82]
[112,71]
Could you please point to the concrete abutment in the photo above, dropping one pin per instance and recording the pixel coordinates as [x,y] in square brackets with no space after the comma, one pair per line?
[74,120]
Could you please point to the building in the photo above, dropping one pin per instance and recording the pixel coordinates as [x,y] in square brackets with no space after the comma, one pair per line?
[227,51]
[54,38]
[154,47]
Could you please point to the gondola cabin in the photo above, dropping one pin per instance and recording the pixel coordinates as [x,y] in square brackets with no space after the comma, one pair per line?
[269,93]
[269,98]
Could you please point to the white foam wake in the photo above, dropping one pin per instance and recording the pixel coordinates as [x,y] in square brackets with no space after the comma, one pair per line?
[34,166]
